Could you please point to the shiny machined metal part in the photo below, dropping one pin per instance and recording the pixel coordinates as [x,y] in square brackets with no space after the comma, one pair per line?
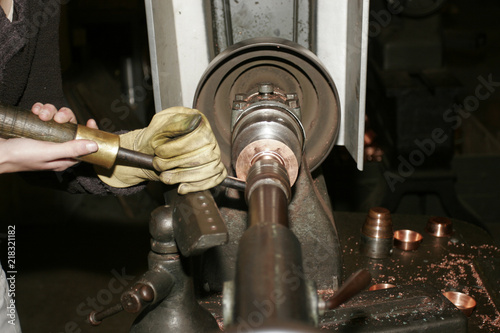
[381,286]
[462,301]
[284,64]
[378,223]
[377,234]
[267,93]
[267,128]
[407,240]
[108,143]
[267,147]
[268,192]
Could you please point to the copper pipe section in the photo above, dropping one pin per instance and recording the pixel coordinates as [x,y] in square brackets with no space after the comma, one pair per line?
[438,226]
[462,301]
[354,284]
[381,286]
[407,240]
[377,233]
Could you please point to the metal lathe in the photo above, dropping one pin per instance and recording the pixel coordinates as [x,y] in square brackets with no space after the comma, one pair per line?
[281,83]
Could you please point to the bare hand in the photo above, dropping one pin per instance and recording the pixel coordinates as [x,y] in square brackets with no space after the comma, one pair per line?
[47,112]
[31,155]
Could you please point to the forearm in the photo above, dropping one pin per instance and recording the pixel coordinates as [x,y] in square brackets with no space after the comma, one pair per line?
[5,164]
[18,154]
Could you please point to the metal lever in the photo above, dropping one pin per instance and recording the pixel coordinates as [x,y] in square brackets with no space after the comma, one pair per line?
[132,301]
[96,318]
[354,284]
[234,183]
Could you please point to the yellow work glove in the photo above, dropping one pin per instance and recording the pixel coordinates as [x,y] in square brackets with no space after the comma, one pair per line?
[182,155]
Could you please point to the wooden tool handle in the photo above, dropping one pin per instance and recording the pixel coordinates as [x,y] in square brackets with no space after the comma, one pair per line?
[19,123]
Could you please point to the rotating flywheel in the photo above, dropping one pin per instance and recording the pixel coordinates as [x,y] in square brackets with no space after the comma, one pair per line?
[287,85]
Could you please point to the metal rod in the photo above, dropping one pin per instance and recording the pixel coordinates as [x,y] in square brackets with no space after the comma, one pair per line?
[268,204]
[144,161]
[135,159]
[96,318]
[235,183]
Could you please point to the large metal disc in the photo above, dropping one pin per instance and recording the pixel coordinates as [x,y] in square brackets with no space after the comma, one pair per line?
[288,66]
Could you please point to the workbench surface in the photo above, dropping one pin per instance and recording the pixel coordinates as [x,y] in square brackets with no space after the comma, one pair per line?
[467,262]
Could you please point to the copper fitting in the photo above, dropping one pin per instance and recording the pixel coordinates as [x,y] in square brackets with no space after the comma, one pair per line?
[381,286]
[377,234]
[438,226]
[407,240]
[378,223]
[267,147]
[462,301]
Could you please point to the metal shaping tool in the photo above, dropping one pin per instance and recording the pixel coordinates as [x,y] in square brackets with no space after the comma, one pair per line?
[19,123]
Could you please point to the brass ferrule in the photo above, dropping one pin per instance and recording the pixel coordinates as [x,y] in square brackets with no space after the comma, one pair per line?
[108,144]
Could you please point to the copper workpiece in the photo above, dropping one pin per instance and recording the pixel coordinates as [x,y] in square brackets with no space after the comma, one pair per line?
[378,223]
[438,226]
[407,240]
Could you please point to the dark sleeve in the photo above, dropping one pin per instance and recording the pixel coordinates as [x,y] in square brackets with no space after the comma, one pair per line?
[30,69]
[44,82]
[78,179]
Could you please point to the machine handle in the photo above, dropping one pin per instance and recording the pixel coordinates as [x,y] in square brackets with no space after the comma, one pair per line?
[96,317]
[353,285]
[132,301]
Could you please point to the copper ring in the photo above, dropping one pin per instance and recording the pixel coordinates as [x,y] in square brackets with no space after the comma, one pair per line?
[462,301]
[407,240]
[381,286]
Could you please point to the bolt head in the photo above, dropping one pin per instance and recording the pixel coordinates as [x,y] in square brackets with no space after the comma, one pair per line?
[237,105]
[293,103]
[266,88]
